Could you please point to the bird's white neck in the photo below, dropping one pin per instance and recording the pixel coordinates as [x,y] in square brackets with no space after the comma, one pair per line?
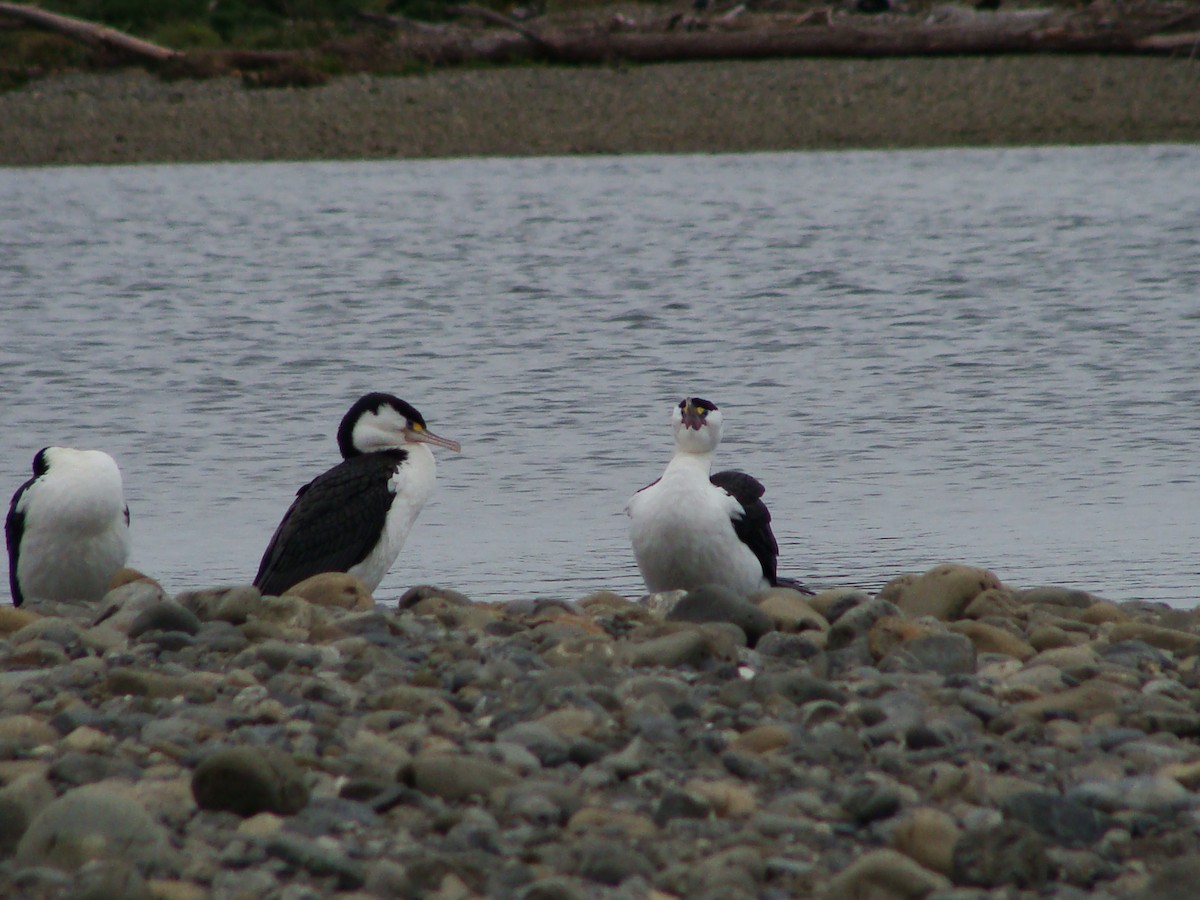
[685,464]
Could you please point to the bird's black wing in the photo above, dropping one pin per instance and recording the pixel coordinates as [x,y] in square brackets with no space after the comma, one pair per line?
[14,528]
[334,522]
[754,527]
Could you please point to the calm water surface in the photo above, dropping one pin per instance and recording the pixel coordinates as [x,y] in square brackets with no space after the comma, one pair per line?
[978,356]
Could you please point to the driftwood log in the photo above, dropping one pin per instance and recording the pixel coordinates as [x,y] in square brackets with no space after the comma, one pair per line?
[88,32]
[720,37]
[764,43]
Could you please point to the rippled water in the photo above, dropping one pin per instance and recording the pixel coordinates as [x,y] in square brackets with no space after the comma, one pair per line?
[980,356]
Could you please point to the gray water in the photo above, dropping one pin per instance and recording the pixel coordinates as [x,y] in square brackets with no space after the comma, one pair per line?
[977,356]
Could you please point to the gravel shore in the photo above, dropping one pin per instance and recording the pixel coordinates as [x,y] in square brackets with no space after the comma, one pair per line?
[701,107]
[950,738]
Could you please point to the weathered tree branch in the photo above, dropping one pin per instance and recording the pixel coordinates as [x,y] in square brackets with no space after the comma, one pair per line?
[977,35]
[495,18]
[88,32]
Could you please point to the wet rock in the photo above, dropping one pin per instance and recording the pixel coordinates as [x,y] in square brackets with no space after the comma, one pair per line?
[832,604]
[761,739]
[1081,703]
[165,615]
[1057,596]
[797,648]
[682,648]
[20,802]
[676,804]
[1155,795]
[52,630]
[320,860]
[550,749]
[74,769]
[796,687]
[867,802]
[94,823]
[104,879]
[927,835]
[1061,820]
[415,595]
[454,777]
[855,623]
[235,604]
[120,607]
[943,654]
[711,603]
[1009,853]
[884,875]
[611,863]
[891,631]
[250,780]
[1176,880]
[25,732]
[1136,655]
[660,603]
[147,683]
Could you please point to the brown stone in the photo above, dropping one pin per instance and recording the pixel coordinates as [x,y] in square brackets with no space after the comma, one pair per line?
[1104,611]
[991,639]
[896,586]
[605,601]
[626,822]
[728,799]
[13,619]
[890,632]
[884,875]
[944,591]
[1181,643]
[1051,637]
[762,739]
[824,601]
[789,611]
[927,835]
[339,590]
[995,602]
[127,575]
[1086,701]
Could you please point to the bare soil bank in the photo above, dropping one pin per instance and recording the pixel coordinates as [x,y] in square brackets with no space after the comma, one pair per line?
[697,107]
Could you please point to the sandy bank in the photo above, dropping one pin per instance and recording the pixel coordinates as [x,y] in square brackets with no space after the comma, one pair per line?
[702,107]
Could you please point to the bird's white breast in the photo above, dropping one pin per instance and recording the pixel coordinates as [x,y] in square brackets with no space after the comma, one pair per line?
[683,536]
[412,482]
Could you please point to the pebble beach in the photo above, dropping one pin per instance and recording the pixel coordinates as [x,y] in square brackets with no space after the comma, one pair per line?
[950,737]
[711,107]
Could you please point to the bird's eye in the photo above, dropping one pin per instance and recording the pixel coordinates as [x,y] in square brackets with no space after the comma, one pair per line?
[417,426]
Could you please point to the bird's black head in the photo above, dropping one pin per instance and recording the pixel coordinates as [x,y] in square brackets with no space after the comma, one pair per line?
[375,403]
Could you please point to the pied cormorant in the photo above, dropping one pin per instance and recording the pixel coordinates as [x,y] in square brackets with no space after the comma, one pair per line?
[690,528]
[67,528]
[355,517]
